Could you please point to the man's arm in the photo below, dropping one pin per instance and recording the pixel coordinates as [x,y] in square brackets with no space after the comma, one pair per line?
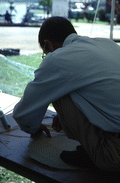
[39,93]
[42,128]
[50,84]
[31,121]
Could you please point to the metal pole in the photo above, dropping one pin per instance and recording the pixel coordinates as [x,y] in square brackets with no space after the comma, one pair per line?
[112,18]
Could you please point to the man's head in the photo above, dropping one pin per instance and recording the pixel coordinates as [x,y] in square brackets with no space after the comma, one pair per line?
[53,32]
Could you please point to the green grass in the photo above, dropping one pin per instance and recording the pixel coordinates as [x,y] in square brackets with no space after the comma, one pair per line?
[7,176]
[86,21]
[39,12]
[30,60]
[14,73]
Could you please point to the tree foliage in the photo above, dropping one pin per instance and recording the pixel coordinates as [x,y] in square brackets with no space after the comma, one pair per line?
[46,3]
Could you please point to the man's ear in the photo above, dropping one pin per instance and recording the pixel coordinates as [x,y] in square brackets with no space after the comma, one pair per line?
[49,46]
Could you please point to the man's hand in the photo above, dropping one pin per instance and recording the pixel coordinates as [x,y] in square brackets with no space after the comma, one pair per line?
[56,125]
[39,132]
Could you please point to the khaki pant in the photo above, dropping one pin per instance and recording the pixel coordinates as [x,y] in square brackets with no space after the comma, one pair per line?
[102,147]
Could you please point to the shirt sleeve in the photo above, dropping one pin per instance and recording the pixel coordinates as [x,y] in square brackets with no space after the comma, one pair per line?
[49,85]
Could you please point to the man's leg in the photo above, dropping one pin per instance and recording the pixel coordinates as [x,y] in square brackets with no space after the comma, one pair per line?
[102,147]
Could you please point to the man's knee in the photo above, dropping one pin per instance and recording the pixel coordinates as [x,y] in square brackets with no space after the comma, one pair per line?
[106,161]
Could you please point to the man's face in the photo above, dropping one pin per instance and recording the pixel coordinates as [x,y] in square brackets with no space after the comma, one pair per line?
[50,46]
[47,48]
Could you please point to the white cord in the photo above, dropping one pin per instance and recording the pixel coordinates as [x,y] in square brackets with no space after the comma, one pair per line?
[95,17]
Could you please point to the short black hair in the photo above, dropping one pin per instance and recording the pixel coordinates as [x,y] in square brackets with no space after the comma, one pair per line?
[55,29]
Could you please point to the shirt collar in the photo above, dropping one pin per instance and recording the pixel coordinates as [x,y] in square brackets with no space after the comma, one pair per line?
[70,39]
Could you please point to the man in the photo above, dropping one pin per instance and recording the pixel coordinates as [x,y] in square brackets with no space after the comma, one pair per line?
[81,77]
[8,17]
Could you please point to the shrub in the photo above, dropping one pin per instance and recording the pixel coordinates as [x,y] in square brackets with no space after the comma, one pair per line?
[101,15]
[90,15]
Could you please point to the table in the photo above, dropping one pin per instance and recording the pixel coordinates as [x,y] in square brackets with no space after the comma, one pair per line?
[13,148]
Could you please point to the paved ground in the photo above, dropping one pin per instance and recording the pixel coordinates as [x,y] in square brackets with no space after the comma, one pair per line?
[26,38]
[97,30]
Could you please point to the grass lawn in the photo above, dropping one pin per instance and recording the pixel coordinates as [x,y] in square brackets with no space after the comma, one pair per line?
[7,176]
[17,71]
[86,21]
